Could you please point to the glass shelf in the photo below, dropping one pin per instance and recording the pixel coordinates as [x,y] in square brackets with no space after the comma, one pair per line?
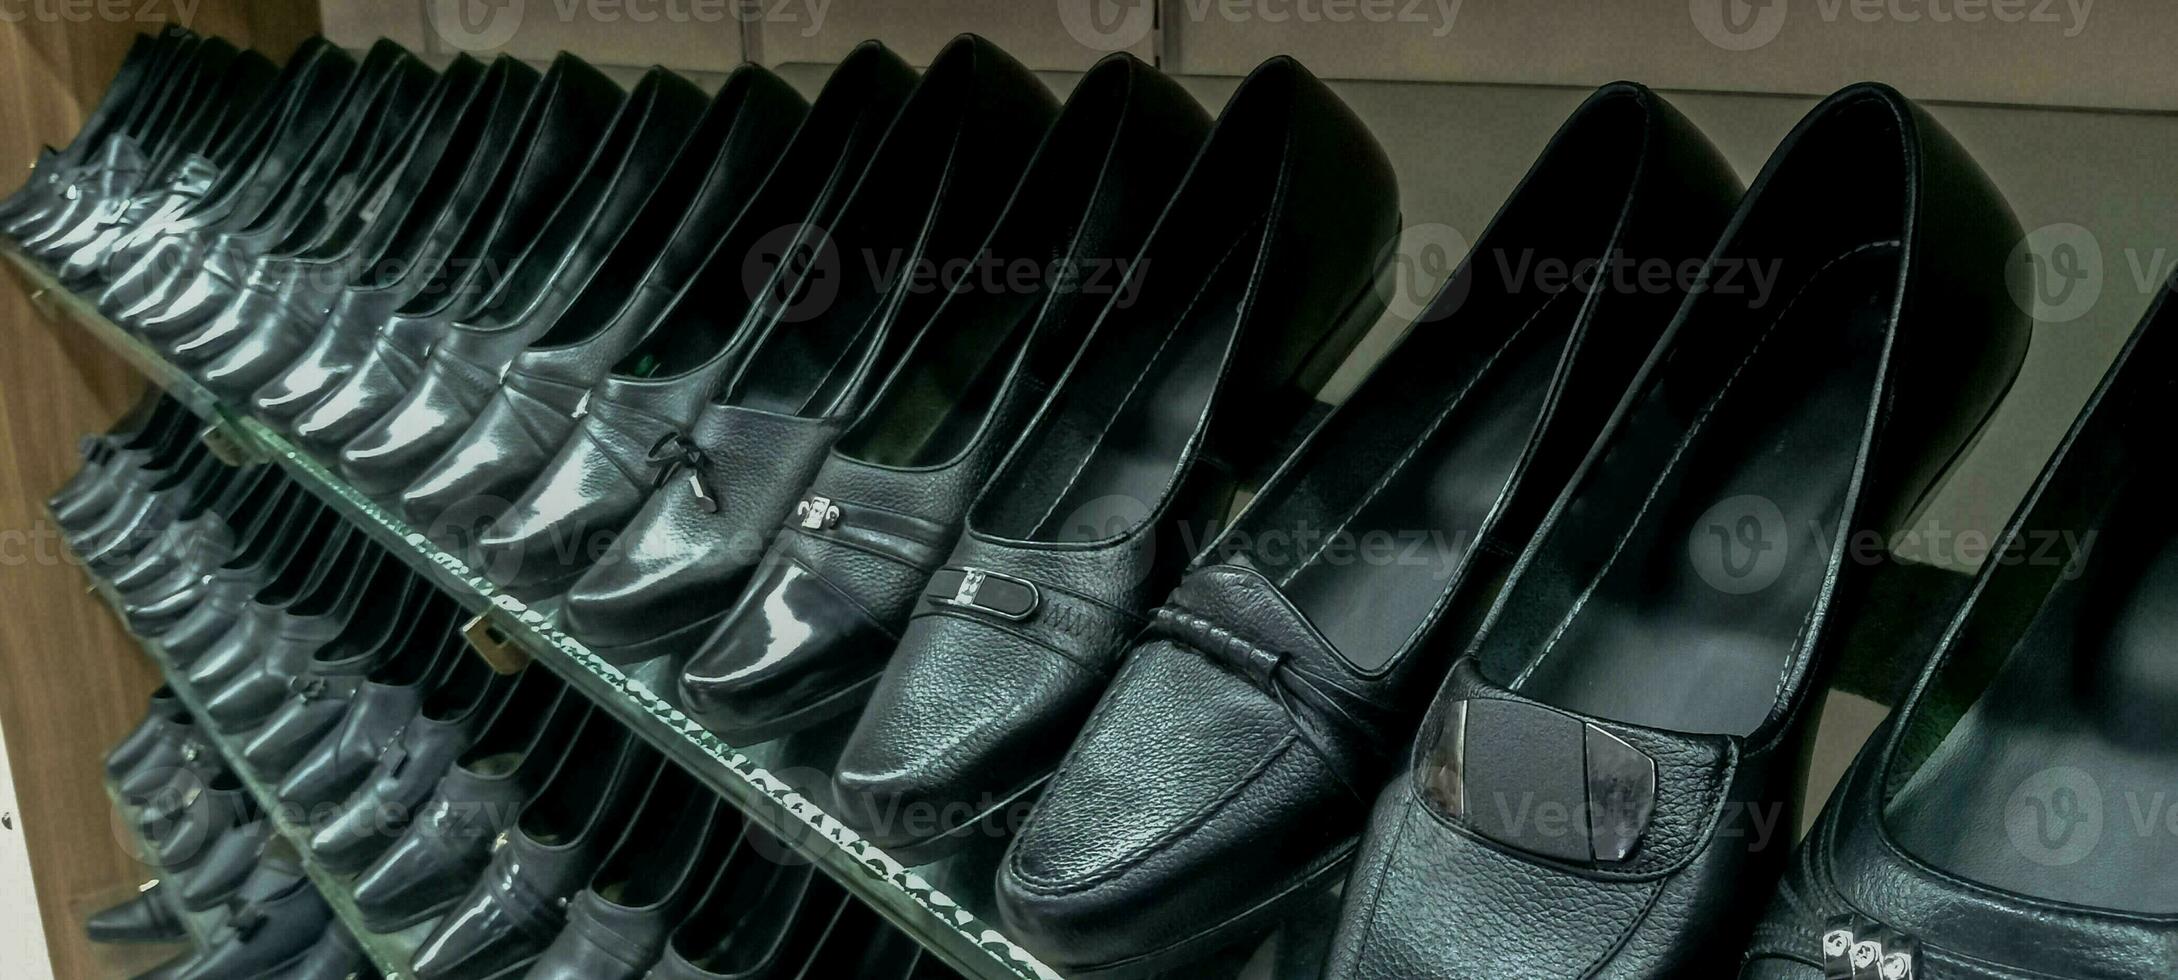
[933,903]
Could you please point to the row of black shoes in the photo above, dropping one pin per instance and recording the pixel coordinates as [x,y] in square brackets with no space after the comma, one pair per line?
[501,824]
[927,405]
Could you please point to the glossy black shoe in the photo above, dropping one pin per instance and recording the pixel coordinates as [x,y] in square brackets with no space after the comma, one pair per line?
[138,744]
[115,162]
[142,67]
[662,201]
[519,906]
[826,606]
[175,748]
[1992,827]
[325,306]
[1650,662]
[618,927]
[744,926]
[227,864]
[181,836]
[371,589]
[441,854]
[726,481]
[396,790]
[295,267]
[189,615]
[1305,670]
[200,540]
[287,620]
[545,245]
[507,197]
[1185,388]
[278,916]
[148,918]
[385,704]
[336,956]
[595,480]
[337,673]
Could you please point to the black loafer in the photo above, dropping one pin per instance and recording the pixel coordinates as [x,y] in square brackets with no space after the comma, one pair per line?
[1639,672]
[385,704]
[825,607]
[154,729]
[1185,388]
[1305,670]
[278,916]
[320,696]
[132,88]
[226,865]
[725,480]
[1993,827]
[147,918]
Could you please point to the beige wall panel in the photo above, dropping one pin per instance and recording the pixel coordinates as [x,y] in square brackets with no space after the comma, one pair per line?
[681,34]
[1045,34]
[358,23]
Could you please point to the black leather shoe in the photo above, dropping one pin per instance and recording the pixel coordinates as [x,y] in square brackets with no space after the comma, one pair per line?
[385,704]
[618,927]
[1184,389]
[189,615]
[544,245]
[725,481]
[369,592]
[744,926]
[278,916]
[184,822]
[283,626]
[683,192]
[600,475]
[156,727]
[1991,828]
[227,863]
[396,790]
[439,857]
[337,673]
[520,904]
[142,66]
[1650,662]
[322,307]
[335,956]
[1305,670]
[147,918]
[200,540]
[176,748]
[112,167]
[826,605]
[507,196]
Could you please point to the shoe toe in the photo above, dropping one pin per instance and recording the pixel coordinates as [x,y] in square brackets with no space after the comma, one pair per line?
[789,652]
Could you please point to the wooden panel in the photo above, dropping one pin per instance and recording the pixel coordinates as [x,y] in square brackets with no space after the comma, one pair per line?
[71,681]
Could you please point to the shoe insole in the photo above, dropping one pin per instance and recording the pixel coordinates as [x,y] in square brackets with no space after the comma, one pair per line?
[1692,624]
[1372,582]
[2061,780]
[1132,462]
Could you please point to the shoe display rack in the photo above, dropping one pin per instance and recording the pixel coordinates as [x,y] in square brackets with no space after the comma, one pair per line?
[511,635]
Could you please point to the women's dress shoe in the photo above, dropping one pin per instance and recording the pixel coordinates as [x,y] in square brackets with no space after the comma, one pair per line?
[1978,833]
[299,260]
[1182,390]
[826,605]
[397,789]
[147,918]
[157,726]
[336,956]
[598,477]
[519,906]
[181,837]
[562,229]
[174,748]
[286,621]
[277,917]
[189,615]
[76,178]
[141,68]
[371,587]
[744,926]
[199,541]
[385,705]
[697,178]
[725,480]
[1305,670]
[617,928]
[322,695]
[1637,670]
[507,196]
[345,285]
[227,863]
[441,854]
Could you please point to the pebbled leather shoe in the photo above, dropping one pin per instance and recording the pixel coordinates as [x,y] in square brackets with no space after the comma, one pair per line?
[555,212]
[518,907]
[325,691]
[441,854]
[1634,671]
[676,202]
[593,482]
[1305,670]
[1966,840]
[412,766]
[147,918]
[618,927]
[278,915]
[510,183]
[744,926]
[1180,392]
[724,481]
[385,704]
[826,605]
